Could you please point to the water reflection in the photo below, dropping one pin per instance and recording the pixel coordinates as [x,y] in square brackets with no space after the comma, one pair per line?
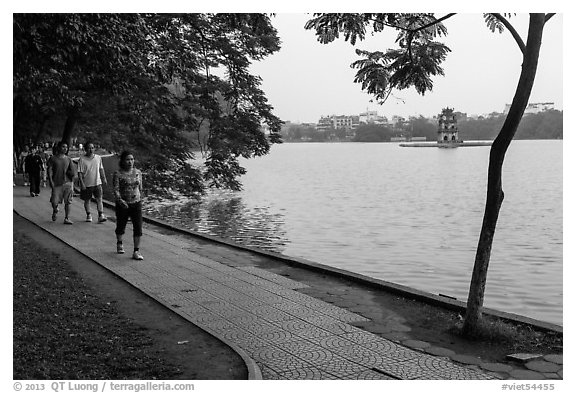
[226,215]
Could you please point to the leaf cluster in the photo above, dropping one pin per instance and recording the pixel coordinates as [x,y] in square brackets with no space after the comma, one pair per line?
[417,59]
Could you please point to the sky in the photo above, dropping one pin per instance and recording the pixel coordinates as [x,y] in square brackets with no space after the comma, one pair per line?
[306,79]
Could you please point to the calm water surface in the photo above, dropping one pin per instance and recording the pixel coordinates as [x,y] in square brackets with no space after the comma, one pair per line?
[406,215]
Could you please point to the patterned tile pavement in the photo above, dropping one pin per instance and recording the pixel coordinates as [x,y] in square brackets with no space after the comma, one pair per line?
[289,334]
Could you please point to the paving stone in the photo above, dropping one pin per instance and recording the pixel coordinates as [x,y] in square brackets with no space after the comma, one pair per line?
[525,374]
[466,359]
[268,373]
[393,352]
[341,367]
[449,370]
[438,351]
[497,367]
[382,346]
[361,337]
[552,375]
[300,346]
[362,355]
[287,363]
[523,357]
[307,373]
[310,333]
[337,327]
[268,353]
[369,375]
[277,337]
[558,359]
[321,320]
[416,344]
[292,325]
[334,341]
[316,356]
[543,366]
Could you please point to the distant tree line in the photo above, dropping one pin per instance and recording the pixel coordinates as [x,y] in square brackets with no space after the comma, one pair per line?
[542,125]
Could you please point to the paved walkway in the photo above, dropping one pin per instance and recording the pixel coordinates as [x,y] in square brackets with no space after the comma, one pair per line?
[282,332]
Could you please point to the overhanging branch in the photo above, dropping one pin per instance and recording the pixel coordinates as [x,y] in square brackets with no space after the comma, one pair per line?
[434,22]
[512,31]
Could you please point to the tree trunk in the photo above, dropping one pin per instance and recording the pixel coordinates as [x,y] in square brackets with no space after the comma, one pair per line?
[69,127]
[495,194]
[41,128]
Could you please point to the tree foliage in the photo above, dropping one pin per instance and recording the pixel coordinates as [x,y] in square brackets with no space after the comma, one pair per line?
[159,84]
[373,133]
[413,64]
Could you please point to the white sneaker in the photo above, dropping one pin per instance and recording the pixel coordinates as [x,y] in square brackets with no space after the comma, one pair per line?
[102,218]
[136,255]
[88,217]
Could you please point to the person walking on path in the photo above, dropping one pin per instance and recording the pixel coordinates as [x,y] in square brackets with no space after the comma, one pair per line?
[91,176]
[45,154]
[127,181]
[34,166]
[22,163]
[61,174]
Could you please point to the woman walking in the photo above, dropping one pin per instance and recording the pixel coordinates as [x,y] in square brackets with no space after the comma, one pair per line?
[127,182]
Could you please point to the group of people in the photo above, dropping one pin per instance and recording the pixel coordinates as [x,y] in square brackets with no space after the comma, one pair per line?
[61,172]
[31,162]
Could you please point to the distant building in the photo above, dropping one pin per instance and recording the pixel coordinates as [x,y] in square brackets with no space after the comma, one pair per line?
[371,117]
[342,122]
[324,124]
[337,122]
[535,107]
[368,116]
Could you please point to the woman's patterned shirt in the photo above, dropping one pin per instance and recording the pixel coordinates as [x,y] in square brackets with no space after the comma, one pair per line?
[128,185]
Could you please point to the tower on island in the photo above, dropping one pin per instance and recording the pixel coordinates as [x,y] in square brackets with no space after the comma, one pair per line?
[448,129]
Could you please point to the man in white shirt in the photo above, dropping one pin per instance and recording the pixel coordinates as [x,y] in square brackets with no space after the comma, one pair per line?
[91,177]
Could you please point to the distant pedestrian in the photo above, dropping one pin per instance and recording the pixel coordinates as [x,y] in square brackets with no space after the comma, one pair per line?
[127,182]
[91,176]
[61,174]
[45,154]
[34,167]
[22,163]
[14,168]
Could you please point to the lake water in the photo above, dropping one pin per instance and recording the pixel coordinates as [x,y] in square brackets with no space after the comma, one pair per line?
[406,215]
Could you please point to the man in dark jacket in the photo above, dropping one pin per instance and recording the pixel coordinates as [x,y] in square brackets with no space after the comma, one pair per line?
[34,166]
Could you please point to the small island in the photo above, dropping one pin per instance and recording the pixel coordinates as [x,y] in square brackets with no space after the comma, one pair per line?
[447,134]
